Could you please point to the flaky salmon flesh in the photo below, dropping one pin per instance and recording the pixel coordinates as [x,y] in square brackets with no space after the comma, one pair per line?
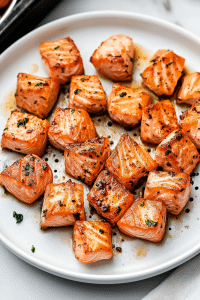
[173,189]
[109,197]
[145,219]
[25,133]
[129,162]
[126,104]
[158,121]
[114,58]
[190,90]
[27,178]
[63,204]
[92,241]
[61,59]
[87,92]
[163,73]
[36,94]
[85,161]
[70,126]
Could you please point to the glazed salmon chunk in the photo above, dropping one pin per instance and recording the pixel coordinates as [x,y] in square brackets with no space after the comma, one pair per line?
[114,58]
[63,204]
[145,219]
[70,126]
[25,133]
[87,92]
[85,161]
[36,94]
[177,153]
[109,197]
[92,241]
[190,123]
[190,90]
[173,189]
[129,162]
[27,178]
[163,73]
[158,121]
[126,104]
[61,59]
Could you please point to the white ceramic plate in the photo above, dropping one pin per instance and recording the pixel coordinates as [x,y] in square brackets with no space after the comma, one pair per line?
[7,10]
[138,259]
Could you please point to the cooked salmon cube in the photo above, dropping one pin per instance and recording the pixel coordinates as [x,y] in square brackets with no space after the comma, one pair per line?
[190,90]
[190,123]
[36,94]
[25,133]
[158,121]
[173,189]
[85,161]
[114,58]
[109,197]
[87,92]
[163,73]
[129,162]
[126,104]
[63,204]
[176,153]
[70,126]
[92,241]
[61,59]
[27,178]
[145,219]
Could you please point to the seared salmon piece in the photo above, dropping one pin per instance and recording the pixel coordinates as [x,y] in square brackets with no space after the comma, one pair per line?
[114,58]
[87,92]
[170,188]
[190,90]
[63,205]
[70,126]
[85,161]
[176,153]
[61,59]
[129,162]
[27,178]
[145,219]
[163,73]
[190,123]
[92,241]
[158,121]
[109,197]
[25,133]
[126,104]
[36,94]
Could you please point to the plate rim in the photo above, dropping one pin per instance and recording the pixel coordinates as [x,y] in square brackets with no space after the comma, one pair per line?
[8,11]
[93,278]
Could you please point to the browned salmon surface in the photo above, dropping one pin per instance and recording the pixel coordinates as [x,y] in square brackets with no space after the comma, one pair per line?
[87,92]
[190,90]
[92,241]
[85,161]
[126,104]
[70,126]
[173,189]
[176,153]
[25,133]
[129,162]
[163,73]
[36,94]
[145,219]
[27,178]
[61,59]
[63,204]
[109,197]
[114,58]
[158,121]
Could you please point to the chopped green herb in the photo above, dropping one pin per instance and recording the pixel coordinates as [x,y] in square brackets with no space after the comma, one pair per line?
[5,192]
[33,249]
[154,60]
[56,48]
[62,70]
[27,167]
[150,223]
[39,79]
[19,217]
[123,94]
[73,110]
[70,50]
[101,231]
[167,65]
[198,104]
[44,212]
[6,128]
[77,91]
[82,79]
[22,122]
[43,97]
[142,204]
[140,74]
[39,84]
[118,210]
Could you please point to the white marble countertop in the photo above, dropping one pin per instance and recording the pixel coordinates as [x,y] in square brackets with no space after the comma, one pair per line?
[20,280]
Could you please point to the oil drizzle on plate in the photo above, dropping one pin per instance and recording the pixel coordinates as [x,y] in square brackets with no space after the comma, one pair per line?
[8,104]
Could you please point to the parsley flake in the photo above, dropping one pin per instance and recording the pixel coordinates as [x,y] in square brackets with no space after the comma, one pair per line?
[19,217]
[6,128]
[56,48]
[22,122]
[123,94]
[167,65]
[33,249]
[77,91]
[73,110]
[150,223]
